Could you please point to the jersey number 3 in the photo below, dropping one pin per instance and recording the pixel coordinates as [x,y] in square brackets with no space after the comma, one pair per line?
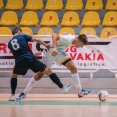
[14,44]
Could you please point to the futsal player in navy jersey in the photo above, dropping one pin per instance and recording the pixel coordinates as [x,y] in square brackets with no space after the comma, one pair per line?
[25,60]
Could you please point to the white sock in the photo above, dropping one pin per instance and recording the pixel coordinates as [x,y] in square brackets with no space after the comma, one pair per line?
[76,81]
[30,85]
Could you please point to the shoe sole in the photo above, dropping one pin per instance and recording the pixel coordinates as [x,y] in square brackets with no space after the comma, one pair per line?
[86,95]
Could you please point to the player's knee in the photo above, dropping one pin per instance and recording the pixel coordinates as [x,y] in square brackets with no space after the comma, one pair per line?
[73,69]
[14,75]
[47,71]
[38,76]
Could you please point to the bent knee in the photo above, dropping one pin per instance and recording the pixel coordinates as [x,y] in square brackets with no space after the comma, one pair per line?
[73,69]
[47,71]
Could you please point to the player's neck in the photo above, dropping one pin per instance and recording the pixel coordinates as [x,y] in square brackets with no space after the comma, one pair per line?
[15,34]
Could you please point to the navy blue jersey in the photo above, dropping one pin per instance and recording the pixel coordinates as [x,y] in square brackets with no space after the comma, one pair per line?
[20,49]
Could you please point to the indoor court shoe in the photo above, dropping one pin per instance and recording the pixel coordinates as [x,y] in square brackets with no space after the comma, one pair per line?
[21,96]
[66,88]
[12,98]
[84,92]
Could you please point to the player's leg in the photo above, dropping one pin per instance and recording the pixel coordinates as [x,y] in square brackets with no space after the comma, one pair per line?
[32,82]
[13,84]
[41,69]
[68,63]
[16,71]
[71,66]
[56,80]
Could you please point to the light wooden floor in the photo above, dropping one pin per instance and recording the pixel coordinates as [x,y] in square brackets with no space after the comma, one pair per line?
[56,105]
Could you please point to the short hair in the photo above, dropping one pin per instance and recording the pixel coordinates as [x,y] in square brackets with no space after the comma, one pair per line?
[83,38]
[15,30]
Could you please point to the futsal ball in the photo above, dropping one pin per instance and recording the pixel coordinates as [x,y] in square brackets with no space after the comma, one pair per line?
[103,95]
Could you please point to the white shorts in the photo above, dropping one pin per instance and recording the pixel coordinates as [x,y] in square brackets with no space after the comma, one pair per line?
[48,60]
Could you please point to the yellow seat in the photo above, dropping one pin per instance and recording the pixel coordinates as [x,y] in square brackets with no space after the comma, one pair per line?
[91,18]
[70,18]
[5,31]
[9,18]
[108,32]
[54,5]
[29,18]
[27,30]
[94,5]
[50,18]
[45,31]
[74,5]
[67,30]
[110,19]
[1,4]
[34,5]
[111,5]
[14,5]
[88,31]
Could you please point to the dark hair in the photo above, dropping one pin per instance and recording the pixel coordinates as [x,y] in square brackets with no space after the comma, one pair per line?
[15,30]
[83,38]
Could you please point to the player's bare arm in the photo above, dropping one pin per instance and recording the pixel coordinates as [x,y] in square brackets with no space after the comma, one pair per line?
[41,42]
[55,37]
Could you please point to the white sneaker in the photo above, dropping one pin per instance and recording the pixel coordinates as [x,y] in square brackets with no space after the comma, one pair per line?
[66,88]
[12,98]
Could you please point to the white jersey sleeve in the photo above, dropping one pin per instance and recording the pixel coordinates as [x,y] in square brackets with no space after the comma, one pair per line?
[66,39]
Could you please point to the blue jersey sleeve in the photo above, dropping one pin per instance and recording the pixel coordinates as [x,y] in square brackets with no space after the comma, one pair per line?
[27,37]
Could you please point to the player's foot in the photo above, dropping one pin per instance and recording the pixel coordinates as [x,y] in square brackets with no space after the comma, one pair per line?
[12,98]
[84,92]
[21,96]
[66,88]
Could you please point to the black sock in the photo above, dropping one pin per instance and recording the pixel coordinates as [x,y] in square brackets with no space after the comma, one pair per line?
[56,80]
[13,85]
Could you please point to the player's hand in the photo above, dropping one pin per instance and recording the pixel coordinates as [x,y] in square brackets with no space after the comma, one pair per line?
[48,46]
[54,52]
[38,54]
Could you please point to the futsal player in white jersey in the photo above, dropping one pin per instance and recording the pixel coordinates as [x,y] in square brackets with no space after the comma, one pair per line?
[57,53]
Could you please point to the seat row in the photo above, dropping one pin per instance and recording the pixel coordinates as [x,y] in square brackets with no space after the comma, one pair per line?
[105,33]
[58,5]
[50,18]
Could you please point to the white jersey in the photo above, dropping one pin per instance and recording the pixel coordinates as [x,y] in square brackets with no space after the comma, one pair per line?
[64,42]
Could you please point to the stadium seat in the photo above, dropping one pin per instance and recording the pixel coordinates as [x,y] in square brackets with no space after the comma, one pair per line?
[111,5]
[88,31]
[9,18]
[29,18]
[14,5]
[74,5]
[34,5]
[45,31]
[50,18]
[110,19]
[94,5]
[108,32]
[27,30]
[91,18]
[70,18]
[1,4]
[54,5]
[67,30]
[5,31]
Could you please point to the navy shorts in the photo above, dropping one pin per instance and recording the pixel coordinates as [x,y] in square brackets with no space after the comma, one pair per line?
[34,65]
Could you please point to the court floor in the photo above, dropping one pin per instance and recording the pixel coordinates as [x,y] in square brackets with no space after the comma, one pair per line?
[58,105]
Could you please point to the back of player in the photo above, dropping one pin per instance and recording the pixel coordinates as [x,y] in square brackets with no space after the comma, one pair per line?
[24,58]
[20,49]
